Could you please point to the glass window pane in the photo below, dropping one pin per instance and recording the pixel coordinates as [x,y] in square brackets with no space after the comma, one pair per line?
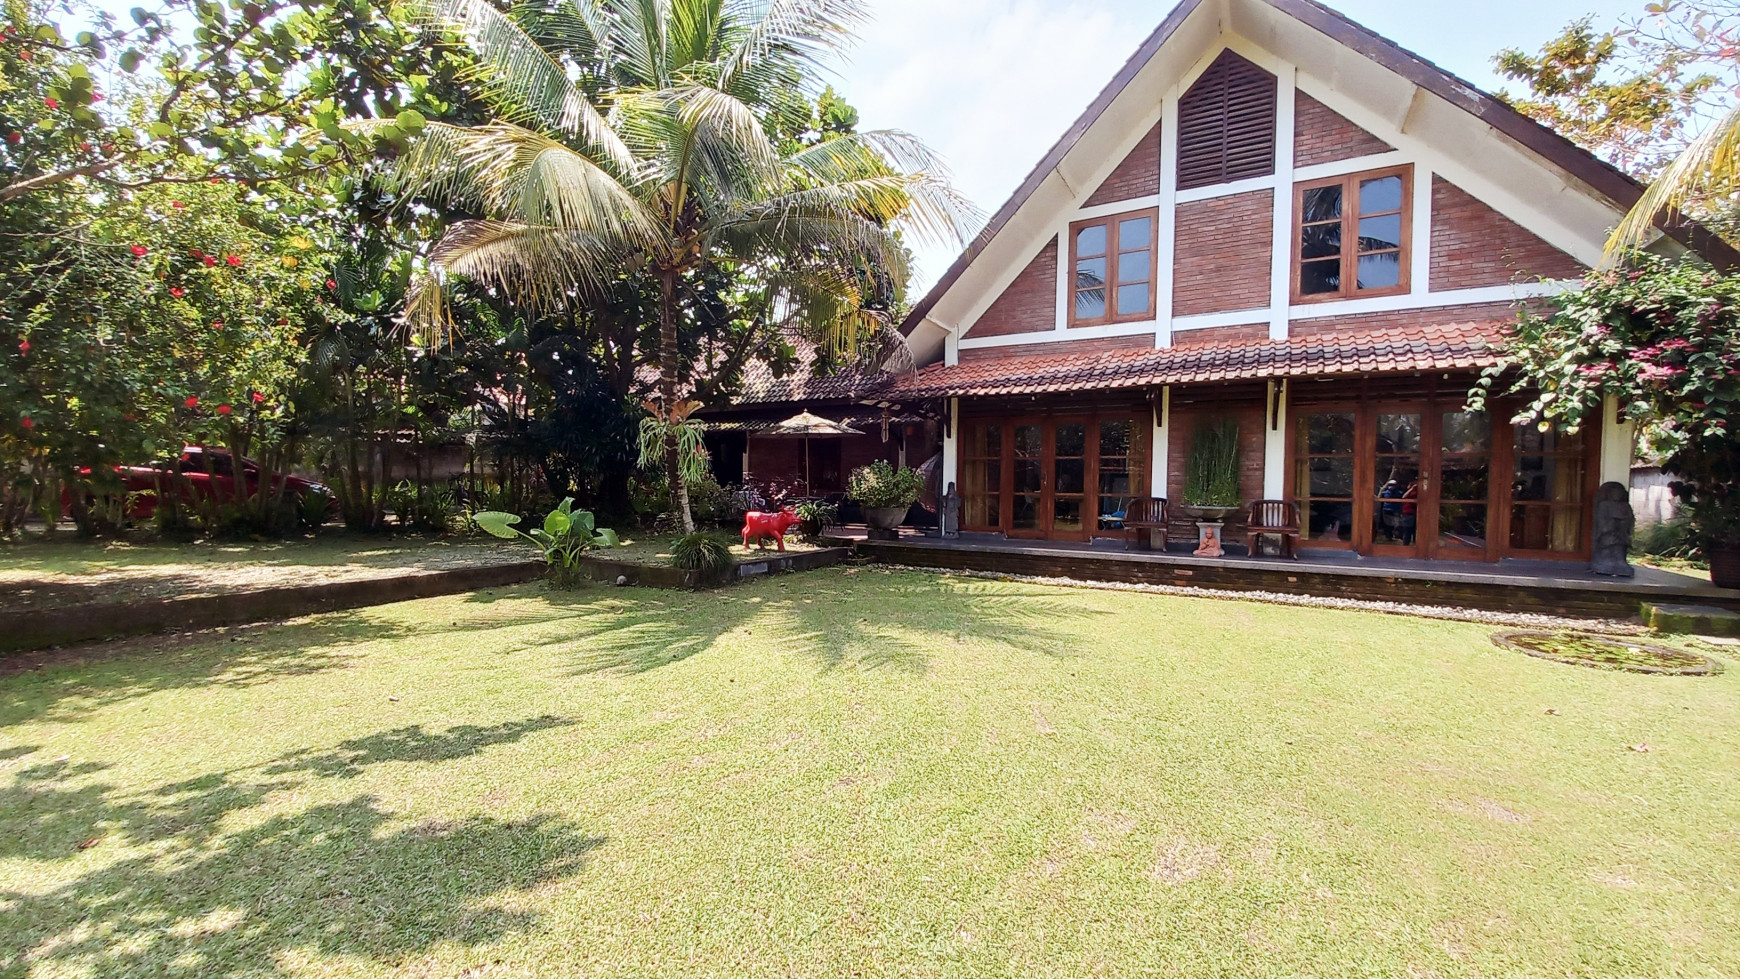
[1114,482]
[1319,277]
[1071,475]
[1090,304]
[1378,234]
[1462,525]
[1320,241]
[1321,204]
[1546,528]
[1329,520]
[1398,433]
[1027,475]
[1135,266]
[1072,440]
[1331,476]
[986,442]
[992,479]
[1466,432]
[1090,272]
[1133,299]
[1380,271]
[1135,233]
[1396,518]
[1113,510]
[1115,438]
[1026,513]
[1379,195]
[1548,479]
[1029,440]
[1091,240]
[1329,433]
[1066,514]
[1465,478]
[1397,478]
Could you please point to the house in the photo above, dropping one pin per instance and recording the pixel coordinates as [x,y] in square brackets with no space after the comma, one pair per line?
[1273,215]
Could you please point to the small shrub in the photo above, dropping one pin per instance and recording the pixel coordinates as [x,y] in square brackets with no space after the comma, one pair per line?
[880,485]
[706,552]
[565,537]
[314,508]
[816,516]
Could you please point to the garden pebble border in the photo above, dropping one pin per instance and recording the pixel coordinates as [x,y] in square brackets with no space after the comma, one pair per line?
[1529,620]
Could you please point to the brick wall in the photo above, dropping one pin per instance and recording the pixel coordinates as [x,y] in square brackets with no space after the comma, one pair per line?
[1030,302]
[1182,427]
[1479,313]
[1219,334]
[1137,176]
[1223,246]
[1061,348]
[1474,245]
[1322,135]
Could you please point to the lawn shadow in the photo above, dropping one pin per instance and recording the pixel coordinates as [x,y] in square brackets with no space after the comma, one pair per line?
[195,896]
[412,743]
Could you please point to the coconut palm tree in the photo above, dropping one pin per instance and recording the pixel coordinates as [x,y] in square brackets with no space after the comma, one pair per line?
[1708,168]
[641,135]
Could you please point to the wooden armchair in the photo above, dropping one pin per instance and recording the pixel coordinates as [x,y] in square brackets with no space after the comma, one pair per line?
[1144,515]
[1276,517]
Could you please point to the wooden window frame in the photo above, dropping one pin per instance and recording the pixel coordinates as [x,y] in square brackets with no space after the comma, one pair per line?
[1111,222]
[1349,184]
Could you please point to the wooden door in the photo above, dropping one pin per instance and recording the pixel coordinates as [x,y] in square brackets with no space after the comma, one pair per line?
[1400,481]
[1460,505]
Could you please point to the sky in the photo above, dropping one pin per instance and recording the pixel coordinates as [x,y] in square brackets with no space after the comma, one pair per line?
[991,84]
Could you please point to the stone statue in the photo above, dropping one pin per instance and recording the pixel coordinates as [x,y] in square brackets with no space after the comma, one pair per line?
[1210,542]
[948,514]
[1614,523]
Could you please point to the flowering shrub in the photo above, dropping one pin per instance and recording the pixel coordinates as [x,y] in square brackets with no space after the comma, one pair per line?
[1663,338]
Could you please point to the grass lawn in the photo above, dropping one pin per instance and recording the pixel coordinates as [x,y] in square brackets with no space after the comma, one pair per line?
[58,573]
[656,548]
[862,773]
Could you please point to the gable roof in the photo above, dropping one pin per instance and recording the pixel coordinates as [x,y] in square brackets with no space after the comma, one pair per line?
[1598,175]
[1455,346]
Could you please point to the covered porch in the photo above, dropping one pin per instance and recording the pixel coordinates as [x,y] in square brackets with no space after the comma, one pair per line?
[1547,587]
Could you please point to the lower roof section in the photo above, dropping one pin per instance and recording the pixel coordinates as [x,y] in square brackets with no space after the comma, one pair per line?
[1457,346]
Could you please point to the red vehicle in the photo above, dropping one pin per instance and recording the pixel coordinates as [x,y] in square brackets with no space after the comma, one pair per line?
[207,475]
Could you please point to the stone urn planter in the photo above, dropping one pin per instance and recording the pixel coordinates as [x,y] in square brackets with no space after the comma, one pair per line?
[1724,565]
[885,518]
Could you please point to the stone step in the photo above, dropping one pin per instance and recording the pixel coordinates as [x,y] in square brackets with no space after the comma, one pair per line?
[1697,620]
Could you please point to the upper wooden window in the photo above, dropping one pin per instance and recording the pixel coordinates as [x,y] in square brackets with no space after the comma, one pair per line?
[1352,235]
[1112,259]
[1226,124]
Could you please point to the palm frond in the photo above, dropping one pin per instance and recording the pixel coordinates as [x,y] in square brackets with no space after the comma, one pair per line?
[540,268]
[774,35]
[573,27]
[530,85]
[641,40]
[516,174]
[1709,166]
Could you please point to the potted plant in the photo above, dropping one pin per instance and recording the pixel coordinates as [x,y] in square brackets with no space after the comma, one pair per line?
[815,516]
[885,493]
[1211,474]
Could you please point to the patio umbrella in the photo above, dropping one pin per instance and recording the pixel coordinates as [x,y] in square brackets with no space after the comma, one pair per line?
[807,426]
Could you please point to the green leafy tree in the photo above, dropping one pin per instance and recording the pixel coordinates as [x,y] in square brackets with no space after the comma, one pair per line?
[1664,339]
[646,136]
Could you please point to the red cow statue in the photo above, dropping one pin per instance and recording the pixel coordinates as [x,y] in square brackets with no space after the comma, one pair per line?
[758,526]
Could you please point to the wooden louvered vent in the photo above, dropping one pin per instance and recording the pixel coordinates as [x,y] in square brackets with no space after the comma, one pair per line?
[1226,124]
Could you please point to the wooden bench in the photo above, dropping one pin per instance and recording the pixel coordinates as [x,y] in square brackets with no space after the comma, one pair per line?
[1144,515]
[1276,517]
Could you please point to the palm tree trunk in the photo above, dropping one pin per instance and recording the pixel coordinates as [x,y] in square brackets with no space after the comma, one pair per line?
[668,354]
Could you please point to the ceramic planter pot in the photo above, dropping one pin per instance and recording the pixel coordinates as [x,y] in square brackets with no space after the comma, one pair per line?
[885,517]
[1724,565]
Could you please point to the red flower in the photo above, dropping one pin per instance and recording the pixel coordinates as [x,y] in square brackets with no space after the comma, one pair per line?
[196,253]
[177,205]
[25,54]
[191,402]
[139,251]
[15,137]
[85,146]
[96,97]
[208,260]
[25,423]
[24,348]
[217,180]
[51,103]
[129,417]
[232,261]
[259,398]
[331,284]
[223,409]
[217,324]
[177,291]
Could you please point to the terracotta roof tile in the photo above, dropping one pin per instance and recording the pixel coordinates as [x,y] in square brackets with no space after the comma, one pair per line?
[1459,346]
